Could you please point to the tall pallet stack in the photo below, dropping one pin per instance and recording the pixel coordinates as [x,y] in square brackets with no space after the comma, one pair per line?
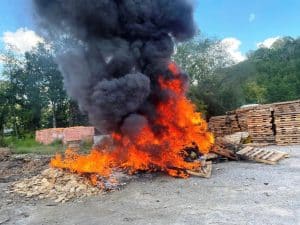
[242,115]
[287,122]
[223,125]
[260,124]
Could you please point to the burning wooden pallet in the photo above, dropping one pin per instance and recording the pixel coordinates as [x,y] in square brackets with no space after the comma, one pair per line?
[262,155]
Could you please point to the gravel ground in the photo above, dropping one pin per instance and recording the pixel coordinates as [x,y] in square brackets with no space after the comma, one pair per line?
[237,193]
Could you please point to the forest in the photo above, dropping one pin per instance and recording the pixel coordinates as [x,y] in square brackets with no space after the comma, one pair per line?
[32,93]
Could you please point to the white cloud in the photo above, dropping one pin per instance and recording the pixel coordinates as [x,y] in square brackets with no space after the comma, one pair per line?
[252,17]
[21,40]
[267,43]
[232,46]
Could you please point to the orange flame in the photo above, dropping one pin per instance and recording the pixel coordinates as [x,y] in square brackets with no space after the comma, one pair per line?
[182,125]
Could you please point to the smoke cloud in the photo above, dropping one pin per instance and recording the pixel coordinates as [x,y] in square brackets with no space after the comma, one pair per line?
[121,47]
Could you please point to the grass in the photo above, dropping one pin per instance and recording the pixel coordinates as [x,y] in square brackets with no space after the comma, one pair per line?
[29,145]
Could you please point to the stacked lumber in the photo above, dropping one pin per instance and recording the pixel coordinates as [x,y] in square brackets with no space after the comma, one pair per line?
[242,115]
[287,121]
[223,125]
[260,124]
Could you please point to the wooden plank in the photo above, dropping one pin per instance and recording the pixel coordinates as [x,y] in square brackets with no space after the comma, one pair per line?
[267,155]
[277,156]
[223,152]
[252,153]
[245,150]
[204,171]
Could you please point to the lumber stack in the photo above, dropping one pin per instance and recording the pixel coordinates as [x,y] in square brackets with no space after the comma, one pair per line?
[242,115]
[260,125]
[223,125]
[287,121]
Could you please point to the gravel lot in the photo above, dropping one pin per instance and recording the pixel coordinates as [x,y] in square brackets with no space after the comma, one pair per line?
[237,193]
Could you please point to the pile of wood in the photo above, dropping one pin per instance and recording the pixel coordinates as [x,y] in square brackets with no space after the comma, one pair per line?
[242,115]
[260,125]
[225,148]
[287,121]
[223,125]
[58,185]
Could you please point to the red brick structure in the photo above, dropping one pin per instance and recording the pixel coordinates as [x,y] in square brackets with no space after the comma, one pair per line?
[66,135]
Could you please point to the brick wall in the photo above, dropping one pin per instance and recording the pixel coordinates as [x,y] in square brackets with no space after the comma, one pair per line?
[66,135]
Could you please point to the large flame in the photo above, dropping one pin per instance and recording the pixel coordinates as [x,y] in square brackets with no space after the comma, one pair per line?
[183,127]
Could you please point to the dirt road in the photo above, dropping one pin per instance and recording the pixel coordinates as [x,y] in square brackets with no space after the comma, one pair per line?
[238,193]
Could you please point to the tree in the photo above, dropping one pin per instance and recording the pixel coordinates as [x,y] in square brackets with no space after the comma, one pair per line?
[278,70]
[34,96]
[43,69]
[201,58]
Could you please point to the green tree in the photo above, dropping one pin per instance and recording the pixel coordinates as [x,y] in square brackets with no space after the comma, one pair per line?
[34,96]
[201,58]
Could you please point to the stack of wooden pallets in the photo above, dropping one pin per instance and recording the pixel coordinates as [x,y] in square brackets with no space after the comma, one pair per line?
[287,122]
[223,125]
[260,125]
[241,115]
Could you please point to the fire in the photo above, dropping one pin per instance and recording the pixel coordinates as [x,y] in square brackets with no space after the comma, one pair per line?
[182,128]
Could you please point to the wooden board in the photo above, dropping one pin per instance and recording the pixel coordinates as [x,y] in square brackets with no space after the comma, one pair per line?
[262,155]
[204,171]
[221,150]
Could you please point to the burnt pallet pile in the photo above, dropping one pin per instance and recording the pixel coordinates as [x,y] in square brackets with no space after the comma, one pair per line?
[287,122]
[260,125]
[223,125]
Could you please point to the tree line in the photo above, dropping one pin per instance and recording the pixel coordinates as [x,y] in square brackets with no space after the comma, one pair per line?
[32,94]
[219,85]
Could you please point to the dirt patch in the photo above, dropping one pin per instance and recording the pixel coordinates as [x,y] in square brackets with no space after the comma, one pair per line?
[237,193]
[15,167]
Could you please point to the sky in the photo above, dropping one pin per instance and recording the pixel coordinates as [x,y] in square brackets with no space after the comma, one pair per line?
[241,24]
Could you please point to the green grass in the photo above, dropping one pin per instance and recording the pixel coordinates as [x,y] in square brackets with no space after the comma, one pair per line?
[29,145]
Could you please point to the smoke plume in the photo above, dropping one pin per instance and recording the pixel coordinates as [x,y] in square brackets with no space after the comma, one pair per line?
[121,48]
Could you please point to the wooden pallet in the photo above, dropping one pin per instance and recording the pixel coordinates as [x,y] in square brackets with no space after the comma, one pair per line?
[287,107]
[221,150]
[223,125]
[260,126]
[262,155]
[287,139]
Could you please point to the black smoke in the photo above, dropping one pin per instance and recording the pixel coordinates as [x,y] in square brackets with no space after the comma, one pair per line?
[121,47]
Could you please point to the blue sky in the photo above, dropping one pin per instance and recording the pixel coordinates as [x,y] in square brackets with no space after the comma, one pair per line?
[230,18]
[249,21]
